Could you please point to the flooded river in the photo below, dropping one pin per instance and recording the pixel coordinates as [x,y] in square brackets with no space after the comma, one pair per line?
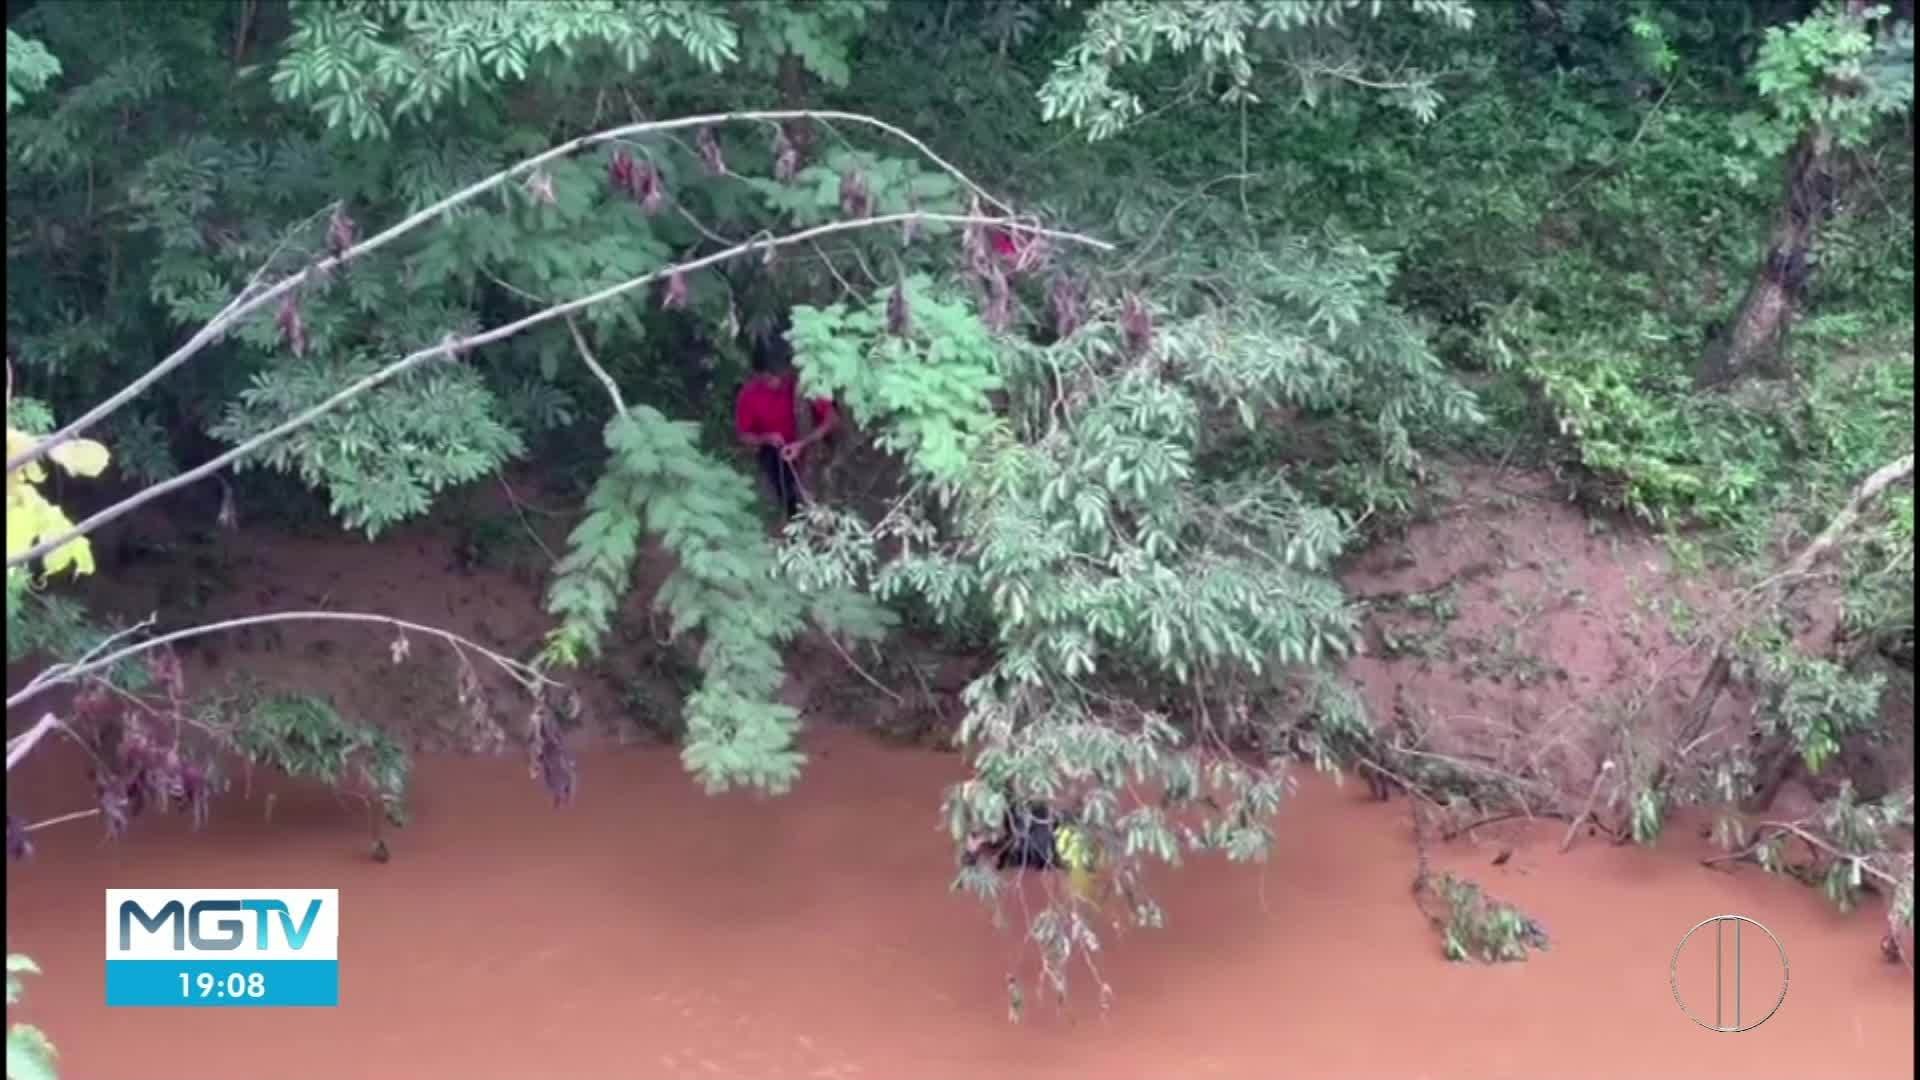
[649,931]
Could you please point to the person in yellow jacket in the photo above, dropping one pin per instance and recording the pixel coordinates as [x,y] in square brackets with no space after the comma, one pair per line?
[1036,837]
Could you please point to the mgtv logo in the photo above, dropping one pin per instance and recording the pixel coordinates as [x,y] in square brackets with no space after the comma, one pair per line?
[187,923]
[223,946]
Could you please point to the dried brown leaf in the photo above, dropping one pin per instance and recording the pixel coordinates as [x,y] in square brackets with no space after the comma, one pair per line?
[648,188]
[540,187]
[1137,324]
[899,318]
[293,328]
[340,231]
[710,156]
[786,157]
[856,198]
[620,172]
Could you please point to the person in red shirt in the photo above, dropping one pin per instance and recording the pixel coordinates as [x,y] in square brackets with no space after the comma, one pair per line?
[765,417]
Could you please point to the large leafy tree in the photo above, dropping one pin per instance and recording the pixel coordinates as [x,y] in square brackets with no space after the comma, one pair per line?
[1120,477]
[1830,82]
[1068,476]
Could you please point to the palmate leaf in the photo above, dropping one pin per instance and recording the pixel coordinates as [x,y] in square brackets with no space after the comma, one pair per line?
[726,588]
[382,456]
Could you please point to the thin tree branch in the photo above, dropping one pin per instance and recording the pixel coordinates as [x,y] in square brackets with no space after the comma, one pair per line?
[237,311]
[1154,238]
[526,525]
[862,672]
[606,380]
[454,344]
[76,815]
[1573,827]
[1865,862]
[103,644]
[530,507]
[1700,708]
[526,675]
[21,744]
[1883,478]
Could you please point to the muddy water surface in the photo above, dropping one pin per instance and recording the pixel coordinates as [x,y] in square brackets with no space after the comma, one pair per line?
[648,931]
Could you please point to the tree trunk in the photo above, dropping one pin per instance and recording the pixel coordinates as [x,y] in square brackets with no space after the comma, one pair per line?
[1754,342]
[796,93]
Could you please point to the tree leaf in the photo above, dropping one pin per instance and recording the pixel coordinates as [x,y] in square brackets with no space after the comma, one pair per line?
[81,457]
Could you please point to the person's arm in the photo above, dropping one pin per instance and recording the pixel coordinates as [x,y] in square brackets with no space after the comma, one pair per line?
[826,419]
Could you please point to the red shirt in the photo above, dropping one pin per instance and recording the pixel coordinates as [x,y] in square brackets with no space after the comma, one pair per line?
[765,408]
[1008,245]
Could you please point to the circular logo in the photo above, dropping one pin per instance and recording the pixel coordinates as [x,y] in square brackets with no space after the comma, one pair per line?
[1727,945]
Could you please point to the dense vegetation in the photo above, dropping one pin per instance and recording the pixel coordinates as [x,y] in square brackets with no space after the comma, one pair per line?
[1277,263]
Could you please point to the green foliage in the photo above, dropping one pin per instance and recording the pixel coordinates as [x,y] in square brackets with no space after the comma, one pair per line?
[818,34]
[1577,237]
[1900,905]
[1833,72]
[1870,833]
[30,1054]
[169,173]
[48,624]
[1478,927]
[725,587]
[1813,701]
[926,397]
[1673,459]
[305,736]
[30,67]
[1142,611]
[366,65]
[383,455]
[1237,39]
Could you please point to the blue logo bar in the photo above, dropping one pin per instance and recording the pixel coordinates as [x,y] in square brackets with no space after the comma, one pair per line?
[234,983]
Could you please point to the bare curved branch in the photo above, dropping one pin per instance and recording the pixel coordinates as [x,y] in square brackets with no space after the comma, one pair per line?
[524,674]
[244,305]
[454,345]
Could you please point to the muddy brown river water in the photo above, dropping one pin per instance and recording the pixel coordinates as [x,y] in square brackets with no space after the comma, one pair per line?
[651,932]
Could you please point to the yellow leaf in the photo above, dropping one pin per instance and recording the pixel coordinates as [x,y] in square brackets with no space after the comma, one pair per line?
[77,554]
[1080,880]
[30,518]
[22,526]
[81,457]
[19,442]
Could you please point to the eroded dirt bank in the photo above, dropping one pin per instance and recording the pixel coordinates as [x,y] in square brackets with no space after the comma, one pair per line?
[651,932]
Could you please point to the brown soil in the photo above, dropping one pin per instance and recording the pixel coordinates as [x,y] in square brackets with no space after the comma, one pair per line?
[649,931]
[1515,636]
